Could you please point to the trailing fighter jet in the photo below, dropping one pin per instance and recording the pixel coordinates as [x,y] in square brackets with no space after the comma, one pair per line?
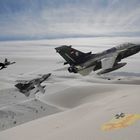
[107,61]
[26,86]
[5,64]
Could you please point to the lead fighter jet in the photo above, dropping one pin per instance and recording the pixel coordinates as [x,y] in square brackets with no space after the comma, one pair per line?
[25,86]
[107,61]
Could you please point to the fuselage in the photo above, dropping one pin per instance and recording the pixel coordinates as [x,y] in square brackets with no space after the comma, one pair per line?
[107,61]
[29,85]
[122,51]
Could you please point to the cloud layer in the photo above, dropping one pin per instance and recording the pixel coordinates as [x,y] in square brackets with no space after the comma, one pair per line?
[68,18]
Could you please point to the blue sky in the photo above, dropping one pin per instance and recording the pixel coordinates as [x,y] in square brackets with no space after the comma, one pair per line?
[37,19]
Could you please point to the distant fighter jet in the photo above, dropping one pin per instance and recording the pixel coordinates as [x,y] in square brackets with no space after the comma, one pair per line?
[107,61]
[5,64]
[25,86]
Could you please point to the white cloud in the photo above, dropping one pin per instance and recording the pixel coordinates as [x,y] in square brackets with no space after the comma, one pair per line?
[79,18]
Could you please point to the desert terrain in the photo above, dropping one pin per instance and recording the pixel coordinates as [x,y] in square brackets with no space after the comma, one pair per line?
[73,107]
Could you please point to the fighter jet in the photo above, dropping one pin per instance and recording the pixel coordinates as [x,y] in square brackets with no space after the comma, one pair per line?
[107,61]
[5,64]
[120,115]
[26,86]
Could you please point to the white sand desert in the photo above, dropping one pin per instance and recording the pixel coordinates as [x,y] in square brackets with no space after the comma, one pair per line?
[73,107]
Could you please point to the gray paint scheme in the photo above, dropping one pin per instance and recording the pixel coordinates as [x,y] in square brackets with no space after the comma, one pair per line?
[107,61]
[25,87]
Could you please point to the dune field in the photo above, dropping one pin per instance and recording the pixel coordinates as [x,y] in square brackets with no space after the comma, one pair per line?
[73,107]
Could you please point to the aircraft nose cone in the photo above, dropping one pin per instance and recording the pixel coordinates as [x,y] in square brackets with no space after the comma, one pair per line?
[49,74]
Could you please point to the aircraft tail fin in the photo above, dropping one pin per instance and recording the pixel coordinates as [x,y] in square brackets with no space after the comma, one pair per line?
[71,55]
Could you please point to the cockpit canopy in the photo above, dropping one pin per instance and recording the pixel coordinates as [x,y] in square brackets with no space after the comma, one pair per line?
[110,50]
[124,45]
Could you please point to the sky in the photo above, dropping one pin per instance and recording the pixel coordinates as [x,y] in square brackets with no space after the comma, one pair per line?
[50,19]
